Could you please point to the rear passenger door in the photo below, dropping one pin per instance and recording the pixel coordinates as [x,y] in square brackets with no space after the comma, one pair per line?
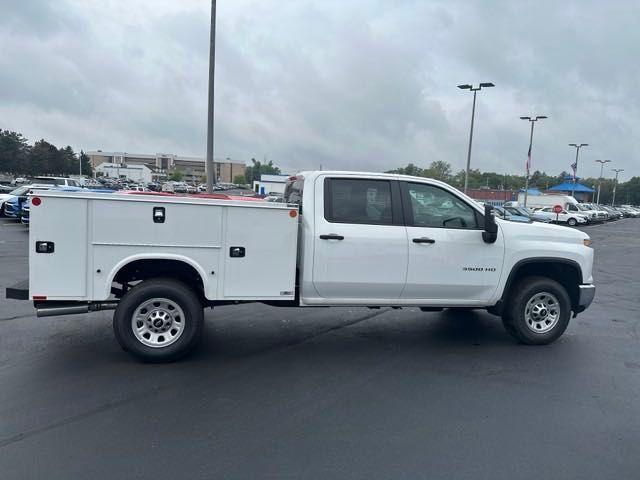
[360,244]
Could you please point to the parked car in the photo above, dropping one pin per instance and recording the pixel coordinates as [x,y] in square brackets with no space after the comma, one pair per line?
[507,215]
[13,205]
[15,192]
[525,212]
[59,181]
[601,215]
[571,219]
[26,204]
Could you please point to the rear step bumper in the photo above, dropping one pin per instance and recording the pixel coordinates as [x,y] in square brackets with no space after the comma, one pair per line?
[54,308]
[19,291]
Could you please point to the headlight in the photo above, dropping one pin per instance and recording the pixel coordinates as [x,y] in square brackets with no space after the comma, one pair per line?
[586,242]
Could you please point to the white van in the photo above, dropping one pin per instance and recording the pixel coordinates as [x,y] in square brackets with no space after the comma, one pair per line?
[567,202]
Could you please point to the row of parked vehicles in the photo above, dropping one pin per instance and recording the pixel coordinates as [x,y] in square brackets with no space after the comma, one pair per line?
[563,209]
[14,203]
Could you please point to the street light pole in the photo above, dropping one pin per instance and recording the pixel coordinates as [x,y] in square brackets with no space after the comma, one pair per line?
[473,114]
[615,183]
[211,178]
[601,162]
[575,170]
[531,120]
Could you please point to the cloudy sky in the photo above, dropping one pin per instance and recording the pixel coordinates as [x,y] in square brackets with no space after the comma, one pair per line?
[349,84]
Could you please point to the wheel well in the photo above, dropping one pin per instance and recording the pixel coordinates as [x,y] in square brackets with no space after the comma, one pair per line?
[140,270]
[566,273]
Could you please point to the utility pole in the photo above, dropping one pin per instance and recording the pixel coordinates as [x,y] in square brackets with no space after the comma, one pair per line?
[210,167]
[473,114]
[575,170]
[531,120]
[617,170]
[601,162]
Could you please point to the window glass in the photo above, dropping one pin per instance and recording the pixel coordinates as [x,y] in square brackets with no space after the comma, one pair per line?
[359,201]
[293,190]
[434,207]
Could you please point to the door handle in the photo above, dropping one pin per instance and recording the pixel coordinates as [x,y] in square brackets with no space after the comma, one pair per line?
[331,236]
[424,240]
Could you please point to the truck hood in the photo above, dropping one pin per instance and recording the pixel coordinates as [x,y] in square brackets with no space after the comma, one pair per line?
[543,231]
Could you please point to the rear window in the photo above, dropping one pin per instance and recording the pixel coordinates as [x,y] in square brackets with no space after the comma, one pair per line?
[293,191]
[359,201]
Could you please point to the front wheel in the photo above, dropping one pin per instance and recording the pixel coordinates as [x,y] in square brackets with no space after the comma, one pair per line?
[159,320]
[572,222]
[538,313]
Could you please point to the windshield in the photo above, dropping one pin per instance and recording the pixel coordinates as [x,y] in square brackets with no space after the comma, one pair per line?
[582,208]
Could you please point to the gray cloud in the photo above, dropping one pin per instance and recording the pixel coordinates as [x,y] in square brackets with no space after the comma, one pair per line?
[364,84]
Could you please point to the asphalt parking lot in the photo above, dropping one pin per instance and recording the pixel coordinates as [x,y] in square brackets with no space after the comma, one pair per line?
[328,393]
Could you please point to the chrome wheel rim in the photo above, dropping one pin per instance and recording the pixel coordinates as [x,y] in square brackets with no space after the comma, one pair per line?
[158,322]
[542,312]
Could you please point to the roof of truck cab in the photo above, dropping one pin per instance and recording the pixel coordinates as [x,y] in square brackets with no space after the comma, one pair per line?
[396,176]
[145,197]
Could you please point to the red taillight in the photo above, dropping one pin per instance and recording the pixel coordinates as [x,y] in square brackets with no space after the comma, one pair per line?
[39,297]
[35,201]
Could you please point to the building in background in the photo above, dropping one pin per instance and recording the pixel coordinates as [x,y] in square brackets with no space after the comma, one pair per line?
[492,197]
[164,164]
[134,173]
[269,184]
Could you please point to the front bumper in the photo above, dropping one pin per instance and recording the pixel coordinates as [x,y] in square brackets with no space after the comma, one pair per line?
[586,294]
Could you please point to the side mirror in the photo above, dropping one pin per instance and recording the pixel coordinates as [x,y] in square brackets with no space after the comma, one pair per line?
[490,234]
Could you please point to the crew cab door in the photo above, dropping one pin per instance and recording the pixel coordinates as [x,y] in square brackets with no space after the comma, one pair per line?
[360,243]
[448,260]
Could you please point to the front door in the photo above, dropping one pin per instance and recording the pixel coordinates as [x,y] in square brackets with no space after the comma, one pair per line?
[360,244]
[448,260]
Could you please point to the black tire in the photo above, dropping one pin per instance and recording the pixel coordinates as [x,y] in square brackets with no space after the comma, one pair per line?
[572,222]
[175,293]
[521,326]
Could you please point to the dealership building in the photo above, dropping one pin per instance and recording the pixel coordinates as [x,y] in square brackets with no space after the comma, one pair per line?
[161,165]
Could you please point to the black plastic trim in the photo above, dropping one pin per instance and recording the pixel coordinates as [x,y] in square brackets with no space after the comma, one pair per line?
[532,260]
[19,291]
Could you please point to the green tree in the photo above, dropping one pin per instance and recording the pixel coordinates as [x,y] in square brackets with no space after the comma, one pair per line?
[239,179]
[14,152]
[410,169]
[44,157]
[440,170]
[256,169]
[176,176]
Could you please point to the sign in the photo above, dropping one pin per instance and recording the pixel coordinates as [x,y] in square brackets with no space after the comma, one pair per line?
[557,209]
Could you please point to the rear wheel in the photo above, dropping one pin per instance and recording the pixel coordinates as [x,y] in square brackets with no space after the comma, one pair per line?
[538,313]
[159,320]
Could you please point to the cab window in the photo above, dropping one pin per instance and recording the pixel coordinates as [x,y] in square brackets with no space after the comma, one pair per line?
[431,206]
[363,201]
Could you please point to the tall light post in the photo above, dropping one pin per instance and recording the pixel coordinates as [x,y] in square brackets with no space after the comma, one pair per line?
[211,179]
[473,114]
[531,120]
[615,182]
[601,162]
[575,165]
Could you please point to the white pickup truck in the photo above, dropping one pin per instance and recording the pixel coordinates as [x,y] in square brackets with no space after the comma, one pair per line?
[339,238]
